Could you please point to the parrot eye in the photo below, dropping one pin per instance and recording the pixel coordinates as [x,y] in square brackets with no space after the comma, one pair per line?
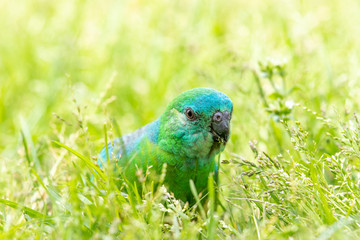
[190,114]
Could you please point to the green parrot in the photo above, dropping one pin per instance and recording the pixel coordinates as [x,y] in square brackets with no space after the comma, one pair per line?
[193,129]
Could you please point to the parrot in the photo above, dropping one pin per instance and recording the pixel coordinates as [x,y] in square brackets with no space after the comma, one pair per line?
[189,134]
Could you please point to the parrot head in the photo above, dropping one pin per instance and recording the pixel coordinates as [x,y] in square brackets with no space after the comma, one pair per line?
[196,124]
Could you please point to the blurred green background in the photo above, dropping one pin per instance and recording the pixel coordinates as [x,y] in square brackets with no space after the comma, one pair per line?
[54,52]
[66,67]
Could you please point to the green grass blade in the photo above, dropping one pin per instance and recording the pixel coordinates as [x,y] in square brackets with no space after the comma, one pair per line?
[92,166]
[198,201]
[28,211]
[211,234]
[106,144]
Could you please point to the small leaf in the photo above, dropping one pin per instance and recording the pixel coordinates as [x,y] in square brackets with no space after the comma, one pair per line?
[276,95]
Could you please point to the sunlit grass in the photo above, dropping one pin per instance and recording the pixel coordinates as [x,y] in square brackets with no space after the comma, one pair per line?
[292,69]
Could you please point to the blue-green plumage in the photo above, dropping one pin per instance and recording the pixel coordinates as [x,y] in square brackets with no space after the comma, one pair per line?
[129,142]
[194,128]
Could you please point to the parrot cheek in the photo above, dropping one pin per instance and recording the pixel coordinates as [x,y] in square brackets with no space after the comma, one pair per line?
[198,145]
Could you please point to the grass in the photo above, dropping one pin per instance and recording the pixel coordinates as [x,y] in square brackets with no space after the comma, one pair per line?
[290,171]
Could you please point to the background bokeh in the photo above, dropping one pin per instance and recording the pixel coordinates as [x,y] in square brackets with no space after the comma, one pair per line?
[66,67]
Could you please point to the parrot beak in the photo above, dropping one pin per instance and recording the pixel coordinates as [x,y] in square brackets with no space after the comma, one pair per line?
[220,127]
